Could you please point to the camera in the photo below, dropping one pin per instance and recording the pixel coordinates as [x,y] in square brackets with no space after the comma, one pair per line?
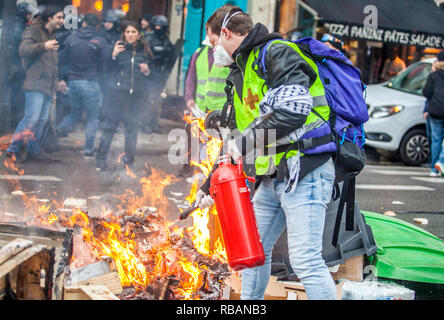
[128,46]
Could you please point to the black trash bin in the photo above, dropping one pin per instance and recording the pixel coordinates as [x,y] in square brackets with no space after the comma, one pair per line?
[353,243]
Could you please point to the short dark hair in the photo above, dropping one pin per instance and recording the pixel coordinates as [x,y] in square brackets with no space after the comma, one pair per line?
[50,11]
[241,23]
[91,20]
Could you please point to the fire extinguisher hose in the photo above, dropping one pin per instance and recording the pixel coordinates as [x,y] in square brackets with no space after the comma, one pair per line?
[187,212]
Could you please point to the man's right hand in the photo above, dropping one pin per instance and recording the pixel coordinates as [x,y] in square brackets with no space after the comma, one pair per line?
[52,45]
[203,200]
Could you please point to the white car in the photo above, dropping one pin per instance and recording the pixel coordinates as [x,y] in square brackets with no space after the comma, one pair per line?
[396,108]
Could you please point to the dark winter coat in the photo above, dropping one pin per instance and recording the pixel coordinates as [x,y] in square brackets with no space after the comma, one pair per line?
[434,92]
[40,65]
[110,36]
[83,55]
[124,72]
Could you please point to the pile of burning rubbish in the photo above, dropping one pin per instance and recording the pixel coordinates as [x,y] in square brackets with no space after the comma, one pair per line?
[155,259]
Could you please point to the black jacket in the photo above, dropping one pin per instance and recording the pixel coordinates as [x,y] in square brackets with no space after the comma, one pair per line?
[124,72]
[434,92]
[111,36]
[83,55]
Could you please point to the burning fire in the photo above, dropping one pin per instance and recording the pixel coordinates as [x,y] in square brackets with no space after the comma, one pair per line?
[201,218]
[144,246]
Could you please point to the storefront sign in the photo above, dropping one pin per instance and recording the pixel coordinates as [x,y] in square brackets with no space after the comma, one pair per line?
[386,35]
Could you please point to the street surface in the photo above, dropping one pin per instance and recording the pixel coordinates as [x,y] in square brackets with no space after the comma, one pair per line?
[382,186]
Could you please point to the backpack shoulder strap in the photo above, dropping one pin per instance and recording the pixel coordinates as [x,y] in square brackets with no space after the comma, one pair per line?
[347,197]
[262,55]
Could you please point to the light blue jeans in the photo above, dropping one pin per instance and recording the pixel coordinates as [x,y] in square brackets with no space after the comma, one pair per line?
[83,95]
[437,131]
[303,213]
[37,106]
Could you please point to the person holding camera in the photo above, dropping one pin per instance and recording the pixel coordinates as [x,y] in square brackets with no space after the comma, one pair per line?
[38,50]
[128,69]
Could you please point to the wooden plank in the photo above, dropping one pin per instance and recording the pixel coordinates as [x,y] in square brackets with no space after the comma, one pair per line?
[13,248]
[29,284]
[98,293]
[15,261]
[62,241]
[7,238]
[26,232]
[110,280]
[74,293]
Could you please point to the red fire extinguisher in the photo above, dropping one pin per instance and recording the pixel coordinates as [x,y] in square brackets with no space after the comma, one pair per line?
[236,216]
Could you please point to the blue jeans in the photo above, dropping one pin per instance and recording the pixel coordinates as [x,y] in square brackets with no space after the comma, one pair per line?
[437,130]
[37,106]
[303,213]
[83,95]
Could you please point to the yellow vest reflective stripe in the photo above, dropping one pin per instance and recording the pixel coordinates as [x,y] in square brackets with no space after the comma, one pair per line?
[210,86]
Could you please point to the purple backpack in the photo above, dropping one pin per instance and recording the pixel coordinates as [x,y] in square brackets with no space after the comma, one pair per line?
[344,91]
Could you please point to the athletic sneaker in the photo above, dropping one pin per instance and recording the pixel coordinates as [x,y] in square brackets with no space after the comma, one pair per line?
[88,154]
[440,167]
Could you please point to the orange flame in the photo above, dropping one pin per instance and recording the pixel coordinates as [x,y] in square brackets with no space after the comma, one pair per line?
[200,230]
[136,264]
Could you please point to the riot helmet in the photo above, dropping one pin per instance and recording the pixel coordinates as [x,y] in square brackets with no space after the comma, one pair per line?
[159,24]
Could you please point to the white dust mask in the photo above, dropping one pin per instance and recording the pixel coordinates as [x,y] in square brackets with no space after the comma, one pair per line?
[221,57]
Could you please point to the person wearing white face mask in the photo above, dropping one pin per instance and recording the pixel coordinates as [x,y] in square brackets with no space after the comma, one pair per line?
[270,105]
[204,91]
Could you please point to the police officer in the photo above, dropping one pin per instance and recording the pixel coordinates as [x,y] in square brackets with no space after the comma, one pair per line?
[162,64]
[111,31]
